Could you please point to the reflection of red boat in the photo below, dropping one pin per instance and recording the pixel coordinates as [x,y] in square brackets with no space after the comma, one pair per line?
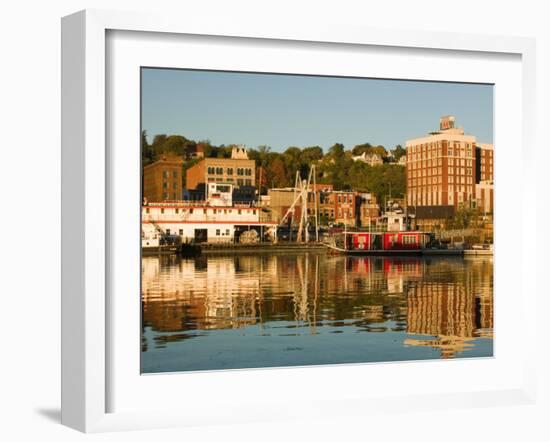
[380,243]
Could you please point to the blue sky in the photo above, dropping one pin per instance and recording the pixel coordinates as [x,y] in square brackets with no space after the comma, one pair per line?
[289,110]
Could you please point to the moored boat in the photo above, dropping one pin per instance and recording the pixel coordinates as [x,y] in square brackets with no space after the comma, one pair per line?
[380,243]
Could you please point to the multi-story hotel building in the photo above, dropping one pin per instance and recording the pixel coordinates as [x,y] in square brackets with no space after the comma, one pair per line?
[441,167]
[162,180]
[237,170]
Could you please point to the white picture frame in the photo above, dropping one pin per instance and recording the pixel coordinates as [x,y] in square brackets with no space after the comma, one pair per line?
[86,355]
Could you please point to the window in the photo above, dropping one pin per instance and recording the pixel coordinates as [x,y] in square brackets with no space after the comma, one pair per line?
[227,232]
[219,170]
[239,171]
[162,210]
[147,210]
[175,173]
[165,174]
[210,170]
[191,210]
[181,232]
[177,210]
[168,231]
[165,185]
[217,232]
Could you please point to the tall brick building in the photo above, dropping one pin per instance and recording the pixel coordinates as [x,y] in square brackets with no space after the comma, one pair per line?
[162,180]
[441,167]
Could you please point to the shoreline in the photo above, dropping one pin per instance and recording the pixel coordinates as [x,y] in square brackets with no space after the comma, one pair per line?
[262,248]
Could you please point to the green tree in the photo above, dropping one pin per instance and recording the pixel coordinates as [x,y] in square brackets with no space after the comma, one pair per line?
[398,152]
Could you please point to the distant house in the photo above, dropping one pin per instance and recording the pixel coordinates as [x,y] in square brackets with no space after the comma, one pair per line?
[371,159]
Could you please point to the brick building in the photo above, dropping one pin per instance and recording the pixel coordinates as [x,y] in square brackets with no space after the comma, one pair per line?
[333,206]
[162,180]
[237,170]
[339,206]
[484,177]
[441,167]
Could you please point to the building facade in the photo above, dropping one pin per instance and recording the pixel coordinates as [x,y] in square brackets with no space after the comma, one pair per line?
[237,170]
[162,180]
[484,178]
[441,167]
[339,206]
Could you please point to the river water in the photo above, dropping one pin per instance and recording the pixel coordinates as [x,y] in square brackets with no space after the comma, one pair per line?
[295,309]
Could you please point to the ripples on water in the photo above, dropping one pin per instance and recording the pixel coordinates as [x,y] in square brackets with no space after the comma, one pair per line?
[219,312]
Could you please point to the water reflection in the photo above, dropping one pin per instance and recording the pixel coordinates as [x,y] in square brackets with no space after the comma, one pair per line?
[420,308]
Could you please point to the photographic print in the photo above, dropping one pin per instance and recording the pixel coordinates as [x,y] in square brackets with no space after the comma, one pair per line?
[299,220]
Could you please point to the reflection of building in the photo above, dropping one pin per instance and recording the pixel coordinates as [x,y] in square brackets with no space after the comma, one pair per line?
[162,180]
[237,170]
[286,295]
[452,315]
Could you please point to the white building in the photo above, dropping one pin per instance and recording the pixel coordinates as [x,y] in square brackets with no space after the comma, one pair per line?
[371,159]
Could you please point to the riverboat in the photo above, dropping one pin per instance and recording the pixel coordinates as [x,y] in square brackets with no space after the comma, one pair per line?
[380,243]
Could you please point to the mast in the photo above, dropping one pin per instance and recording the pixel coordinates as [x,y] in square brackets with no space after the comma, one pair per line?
[315,203]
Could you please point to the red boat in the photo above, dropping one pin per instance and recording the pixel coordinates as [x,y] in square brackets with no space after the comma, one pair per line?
[380,243]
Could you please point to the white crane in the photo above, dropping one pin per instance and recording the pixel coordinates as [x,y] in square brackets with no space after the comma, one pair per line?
[301,191]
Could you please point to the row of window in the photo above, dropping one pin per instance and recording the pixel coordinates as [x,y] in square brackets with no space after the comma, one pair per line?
[165,185]
[229,171]
[166,173]
[438,189]
[460,171]
[240,182]
[177,210]
[413,155]
[439,180]
[426,147]
[345,198]
[438,162]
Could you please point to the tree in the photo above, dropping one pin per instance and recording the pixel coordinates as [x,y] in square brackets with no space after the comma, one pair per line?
[398,152]
[361,148]
[336,151]
[276,173]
